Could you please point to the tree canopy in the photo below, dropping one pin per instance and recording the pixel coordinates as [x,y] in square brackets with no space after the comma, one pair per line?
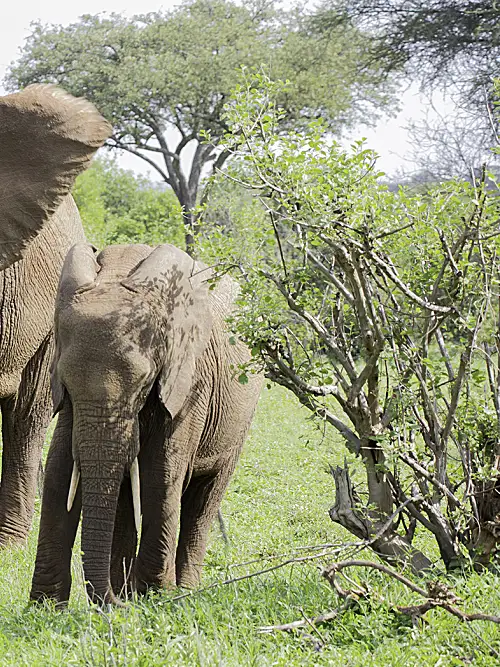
[450,44]
[162,79]
[439,39]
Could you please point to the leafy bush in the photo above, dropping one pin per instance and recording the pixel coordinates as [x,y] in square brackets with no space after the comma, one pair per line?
[376,309]
[118,207]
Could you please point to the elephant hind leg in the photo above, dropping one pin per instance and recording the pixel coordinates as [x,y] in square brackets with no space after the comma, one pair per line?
[124,546]
[25,417]
[199,505]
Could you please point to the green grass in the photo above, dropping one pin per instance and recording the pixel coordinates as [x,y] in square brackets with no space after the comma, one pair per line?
[278,502]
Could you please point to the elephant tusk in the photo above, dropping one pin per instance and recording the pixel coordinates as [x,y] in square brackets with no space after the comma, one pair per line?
[75,478]
[136,492]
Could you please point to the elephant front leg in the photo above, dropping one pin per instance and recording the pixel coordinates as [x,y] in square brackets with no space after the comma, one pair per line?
[155,564]
[162,465]
[25,417]
[52,575]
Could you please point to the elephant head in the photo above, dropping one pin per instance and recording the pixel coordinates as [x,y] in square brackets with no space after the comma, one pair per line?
[128,323]
[47,138]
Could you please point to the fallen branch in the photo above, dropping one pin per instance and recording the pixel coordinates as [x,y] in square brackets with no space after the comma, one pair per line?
[418,610]
[336,546]
[437,594]
[303,622]
[308,621]
[330,549]
[272,568]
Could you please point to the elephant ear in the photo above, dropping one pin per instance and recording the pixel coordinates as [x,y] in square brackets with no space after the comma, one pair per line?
[176,287]
[79,273]
[47,138]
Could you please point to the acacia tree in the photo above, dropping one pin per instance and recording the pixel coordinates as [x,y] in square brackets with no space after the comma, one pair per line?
[453,44]
[378,311]
[437,38]
[162,79]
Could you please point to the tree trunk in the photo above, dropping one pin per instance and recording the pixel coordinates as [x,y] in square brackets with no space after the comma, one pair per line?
[377,530]
[190,220]
[486,534]
[379,489]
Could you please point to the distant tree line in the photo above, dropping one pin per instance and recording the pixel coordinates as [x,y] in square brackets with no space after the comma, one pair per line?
[117,206]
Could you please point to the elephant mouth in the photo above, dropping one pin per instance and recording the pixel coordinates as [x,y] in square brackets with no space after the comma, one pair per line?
[134,481]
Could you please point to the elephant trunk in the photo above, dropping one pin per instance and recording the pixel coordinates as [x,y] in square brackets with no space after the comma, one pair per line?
[104,449]
[99,503]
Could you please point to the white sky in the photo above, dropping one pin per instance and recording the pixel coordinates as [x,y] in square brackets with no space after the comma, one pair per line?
[388,138]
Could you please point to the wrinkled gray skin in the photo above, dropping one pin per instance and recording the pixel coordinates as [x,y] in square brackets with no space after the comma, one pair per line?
[143,368]
[46,139]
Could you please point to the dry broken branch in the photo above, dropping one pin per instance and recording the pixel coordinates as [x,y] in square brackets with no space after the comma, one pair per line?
[297,625]
[436,595]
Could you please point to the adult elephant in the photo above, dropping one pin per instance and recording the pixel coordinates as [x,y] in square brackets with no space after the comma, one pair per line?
[46,139]
[152,417]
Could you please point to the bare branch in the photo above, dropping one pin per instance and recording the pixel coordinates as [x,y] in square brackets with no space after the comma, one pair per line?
[296,625]
[436,595]
[330,276]
[430,478]
[316,326]
[405,289]
[151,162]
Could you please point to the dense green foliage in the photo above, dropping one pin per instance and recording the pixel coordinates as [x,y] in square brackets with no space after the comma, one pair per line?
[162,79]
[277,503]
[117,206]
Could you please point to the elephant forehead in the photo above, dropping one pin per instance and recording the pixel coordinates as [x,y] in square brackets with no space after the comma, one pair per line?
[118,261]
[100,347]
[104,303]
[102,315]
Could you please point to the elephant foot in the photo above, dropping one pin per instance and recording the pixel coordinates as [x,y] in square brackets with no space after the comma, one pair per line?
[146,579]
[188,576]
[109,598]
[188,582]
[50,586]
[143,588]
[38,598]
[145,582]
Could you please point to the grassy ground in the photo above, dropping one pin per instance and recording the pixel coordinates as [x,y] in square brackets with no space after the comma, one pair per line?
[278,502]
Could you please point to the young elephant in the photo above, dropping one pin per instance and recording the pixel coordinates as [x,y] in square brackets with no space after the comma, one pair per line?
[152,419]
